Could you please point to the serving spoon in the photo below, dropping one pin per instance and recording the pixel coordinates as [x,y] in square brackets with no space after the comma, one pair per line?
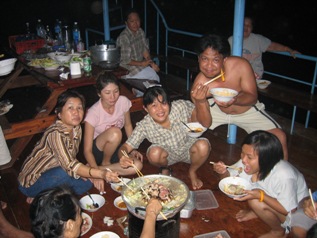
[96,205]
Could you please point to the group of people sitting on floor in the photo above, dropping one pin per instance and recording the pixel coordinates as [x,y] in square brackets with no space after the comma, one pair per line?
[279,195]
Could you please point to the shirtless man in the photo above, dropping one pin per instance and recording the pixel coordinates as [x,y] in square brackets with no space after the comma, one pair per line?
[244,110]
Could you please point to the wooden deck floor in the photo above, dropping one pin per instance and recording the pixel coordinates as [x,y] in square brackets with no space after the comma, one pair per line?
[302,153]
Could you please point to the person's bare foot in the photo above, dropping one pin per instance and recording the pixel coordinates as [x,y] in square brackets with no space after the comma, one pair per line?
[245,215]
[29,200]
[196,182]
[3,205]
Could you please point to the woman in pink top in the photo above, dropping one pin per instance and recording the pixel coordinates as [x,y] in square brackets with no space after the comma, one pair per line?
[103,124]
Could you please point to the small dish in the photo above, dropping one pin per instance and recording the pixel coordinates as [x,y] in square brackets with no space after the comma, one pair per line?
[87,223]
[214,234]
[119,203]
[233,186]
[105,234]
[118,186]
[86,202]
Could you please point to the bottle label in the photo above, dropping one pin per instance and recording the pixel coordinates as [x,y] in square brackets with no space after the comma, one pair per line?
[87,64]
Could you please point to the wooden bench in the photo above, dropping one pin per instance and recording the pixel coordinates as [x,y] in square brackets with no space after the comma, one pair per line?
[294,97]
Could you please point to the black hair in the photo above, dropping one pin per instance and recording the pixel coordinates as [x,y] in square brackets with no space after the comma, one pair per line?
[129,11]
[152,93]
[50,209]
[216,42]
[62,99]
[312,232]
[104,79]
[269,150]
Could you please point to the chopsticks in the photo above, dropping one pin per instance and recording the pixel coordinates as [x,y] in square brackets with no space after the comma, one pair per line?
[148,197]
[312,200]
[121,180]
[229,166]
[139,173]
[217,77]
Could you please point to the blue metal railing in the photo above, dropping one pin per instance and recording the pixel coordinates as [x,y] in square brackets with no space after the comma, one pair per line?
[162,29]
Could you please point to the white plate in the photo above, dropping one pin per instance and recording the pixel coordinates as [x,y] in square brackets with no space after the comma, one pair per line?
[104,233]
[214,234]
[235,181]
[5,109]
[6,72]
[88,220]
[117,201]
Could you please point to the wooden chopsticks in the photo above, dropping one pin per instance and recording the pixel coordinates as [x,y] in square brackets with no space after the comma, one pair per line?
[312,200]
[139,173]
[148,197]
[217,77]
[229,166]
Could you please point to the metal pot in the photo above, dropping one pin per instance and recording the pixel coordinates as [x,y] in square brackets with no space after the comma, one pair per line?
[136,205]
[106,56]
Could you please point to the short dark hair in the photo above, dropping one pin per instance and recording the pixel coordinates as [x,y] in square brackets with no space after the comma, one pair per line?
[129,11]
[268,148]
[50,209]
[216,42]
[62,99]
[104,79]
[312,232]
[152,93]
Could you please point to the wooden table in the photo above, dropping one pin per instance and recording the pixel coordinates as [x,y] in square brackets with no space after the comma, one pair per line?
[23,131]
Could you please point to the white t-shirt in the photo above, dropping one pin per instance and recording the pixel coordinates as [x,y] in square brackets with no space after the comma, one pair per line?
[102,120]
[284,182]
[252,50]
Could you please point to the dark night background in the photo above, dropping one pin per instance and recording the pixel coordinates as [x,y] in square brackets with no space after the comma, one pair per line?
[292,24]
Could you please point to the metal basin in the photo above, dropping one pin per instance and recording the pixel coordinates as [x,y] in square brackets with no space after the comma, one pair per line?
[136,203]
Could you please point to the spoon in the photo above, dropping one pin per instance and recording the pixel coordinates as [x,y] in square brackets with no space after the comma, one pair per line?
[190,129]
[96,205]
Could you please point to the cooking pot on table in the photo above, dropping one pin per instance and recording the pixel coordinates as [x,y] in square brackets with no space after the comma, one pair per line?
[136,202]
[105,55]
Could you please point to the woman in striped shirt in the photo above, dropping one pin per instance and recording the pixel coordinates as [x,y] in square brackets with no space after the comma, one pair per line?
[53,160]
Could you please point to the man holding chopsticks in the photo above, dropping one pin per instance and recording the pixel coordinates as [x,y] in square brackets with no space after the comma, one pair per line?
[220,70]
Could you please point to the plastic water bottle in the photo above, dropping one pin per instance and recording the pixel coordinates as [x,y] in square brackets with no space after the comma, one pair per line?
[76,35]
[66,38]
[40,30]
[232,134]
[58,31]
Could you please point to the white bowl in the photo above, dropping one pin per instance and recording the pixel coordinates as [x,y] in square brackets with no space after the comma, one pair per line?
[86,203]
[262,83]
[197,127]
[119,203]
[223,94]
[61,57]
[6,66]
[236,181]
[107,234]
